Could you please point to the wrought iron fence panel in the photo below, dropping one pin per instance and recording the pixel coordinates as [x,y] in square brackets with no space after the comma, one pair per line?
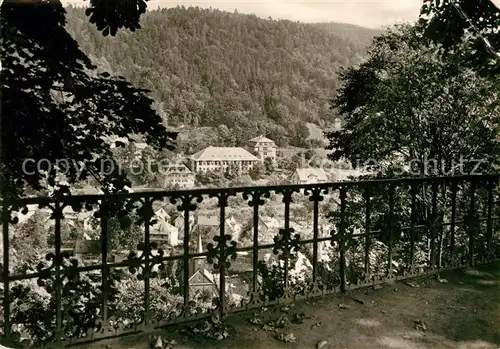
[229,250]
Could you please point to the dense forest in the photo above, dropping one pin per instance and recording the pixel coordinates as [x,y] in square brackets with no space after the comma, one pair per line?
[208,68]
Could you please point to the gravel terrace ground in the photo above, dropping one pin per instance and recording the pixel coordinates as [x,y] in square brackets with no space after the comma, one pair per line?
[462,313]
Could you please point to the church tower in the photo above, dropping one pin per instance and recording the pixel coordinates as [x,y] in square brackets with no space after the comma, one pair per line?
[198,263]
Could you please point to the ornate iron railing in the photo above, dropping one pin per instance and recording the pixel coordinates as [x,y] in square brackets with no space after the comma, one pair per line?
[327,238]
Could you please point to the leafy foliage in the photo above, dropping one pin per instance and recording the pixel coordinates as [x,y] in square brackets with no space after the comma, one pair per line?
[257,171]
[55,103]
[429,109]
[29,238]
[451,22]
[413,109]
[123,232]
[109,16]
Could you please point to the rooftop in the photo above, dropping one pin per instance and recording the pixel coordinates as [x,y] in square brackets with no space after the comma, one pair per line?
[223,154]
[310,172]
[176,168]
[260,139]
[163,228]
[207,220]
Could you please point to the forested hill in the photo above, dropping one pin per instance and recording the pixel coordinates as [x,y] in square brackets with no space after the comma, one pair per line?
[209,67]
[351,32]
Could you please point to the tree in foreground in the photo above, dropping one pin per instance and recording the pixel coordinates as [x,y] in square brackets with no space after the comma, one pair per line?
[410,110]
[475,22]
[56,107]
[57,110]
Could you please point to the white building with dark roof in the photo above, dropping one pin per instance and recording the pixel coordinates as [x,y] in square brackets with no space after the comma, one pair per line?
[309,176]
[163,232]
[265,147]
[180,175]
[222,159]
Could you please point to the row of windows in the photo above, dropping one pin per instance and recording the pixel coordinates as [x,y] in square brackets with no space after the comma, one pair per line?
[180,175]
[264,149]
[218,163]
[207,168]
[182,180]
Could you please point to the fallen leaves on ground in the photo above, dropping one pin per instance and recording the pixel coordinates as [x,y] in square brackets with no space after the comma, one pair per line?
[161,344]
[316,325]
[298,318]
[288,338]
[358,300]
[420,325]
[321,344]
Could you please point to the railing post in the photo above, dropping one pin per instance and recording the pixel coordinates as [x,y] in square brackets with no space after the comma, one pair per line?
[104,259]
[287,198]
[315,198]
[222,255]
[147,212]
[454,189]
[391,229]
[414,191]
[441,221]
[58,263]
[368,194]
[472,222]
[255,202]
[489,224]
[187,201]
[5,272]
[433,222]
[342,238]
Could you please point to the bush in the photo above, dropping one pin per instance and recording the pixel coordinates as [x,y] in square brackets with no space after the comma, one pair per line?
[272,276]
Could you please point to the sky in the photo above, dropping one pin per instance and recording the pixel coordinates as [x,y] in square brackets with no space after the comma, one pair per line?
[367,13]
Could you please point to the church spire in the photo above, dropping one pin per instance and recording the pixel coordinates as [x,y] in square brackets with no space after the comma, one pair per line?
[200,245]
[198,263]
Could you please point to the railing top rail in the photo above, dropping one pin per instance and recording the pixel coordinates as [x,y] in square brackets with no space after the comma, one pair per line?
[68,199]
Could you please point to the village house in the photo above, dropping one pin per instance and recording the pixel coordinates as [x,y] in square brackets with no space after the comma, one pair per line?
[87,249]
[163,232]
[179,223]
[161,213]
[234,228]
[309,176]
[178,175]
[206,225]
[265,147]
[203,281]
[269,227]
[222,159]
[207,221]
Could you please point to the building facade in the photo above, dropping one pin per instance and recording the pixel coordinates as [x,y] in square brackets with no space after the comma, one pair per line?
[309,176]
[223,159]
[163,232]
[265,147]
[178,175]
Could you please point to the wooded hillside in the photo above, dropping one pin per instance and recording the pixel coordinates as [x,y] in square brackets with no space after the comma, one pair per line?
[208,68]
